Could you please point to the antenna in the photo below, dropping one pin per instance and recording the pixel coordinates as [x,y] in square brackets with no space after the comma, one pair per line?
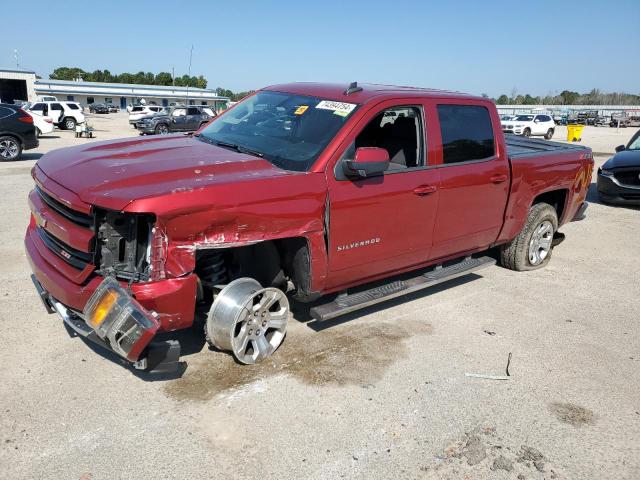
[353,88]
[189,74]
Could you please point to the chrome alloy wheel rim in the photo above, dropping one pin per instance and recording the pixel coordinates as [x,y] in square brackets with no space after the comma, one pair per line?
[8,149]
[163,129]
[70,124]
[540,243]
[249,320]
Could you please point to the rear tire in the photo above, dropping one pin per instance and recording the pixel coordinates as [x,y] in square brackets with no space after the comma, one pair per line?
[549,134]
[10,148]
[533,246]
[69,123]
[162,129]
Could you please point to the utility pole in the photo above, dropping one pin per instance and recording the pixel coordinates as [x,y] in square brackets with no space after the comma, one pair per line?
[15,54]
[189,74]
[173,76]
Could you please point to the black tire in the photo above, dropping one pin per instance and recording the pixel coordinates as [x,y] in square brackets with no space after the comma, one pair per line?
[10,148]
[549,134]
[527,132]
[515,254]
[202,125]
[161,129]
[38,132]
[69,123]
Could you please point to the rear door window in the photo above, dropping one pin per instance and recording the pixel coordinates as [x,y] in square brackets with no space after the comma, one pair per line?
[5,112]
[467,133]
[193,111]
[56,106]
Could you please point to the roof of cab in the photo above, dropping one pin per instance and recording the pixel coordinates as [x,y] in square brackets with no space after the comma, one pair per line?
[336,91]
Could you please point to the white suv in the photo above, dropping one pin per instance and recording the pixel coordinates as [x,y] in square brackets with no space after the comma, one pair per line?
[65,115]
[531,124]
[140,111]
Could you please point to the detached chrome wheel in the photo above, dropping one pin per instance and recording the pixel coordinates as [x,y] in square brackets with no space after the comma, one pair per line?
[540,243]
[248,320]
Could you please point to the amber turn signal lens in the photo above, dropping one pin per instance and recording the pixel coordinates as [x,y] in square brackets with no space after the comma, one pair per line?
[102,309]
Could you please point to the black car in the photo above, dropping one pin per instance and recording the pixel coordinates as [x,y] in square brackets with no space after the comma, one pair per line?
[112,108]
[619,177]
[174,119]
[17,132]
[98,108]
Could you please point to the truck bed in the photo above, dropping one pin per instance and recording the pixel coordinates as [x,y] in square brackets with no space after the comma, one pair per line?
[519,146]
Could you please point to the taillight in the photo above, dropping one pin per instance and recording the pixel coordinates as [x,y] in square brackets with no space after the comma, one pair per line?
[26,118]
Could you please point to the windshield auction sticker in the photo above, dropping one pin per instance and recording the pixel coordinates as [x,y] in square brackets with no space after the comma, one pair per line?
[339,108]
[301,109]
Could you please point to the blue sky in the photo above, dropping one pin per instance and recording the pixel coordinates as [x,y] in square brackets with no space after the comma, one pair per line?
[536,47]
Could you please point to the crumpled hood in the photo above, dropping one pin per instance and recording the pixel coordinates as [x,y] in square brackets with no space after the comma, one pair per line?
[626,158]
[111,174]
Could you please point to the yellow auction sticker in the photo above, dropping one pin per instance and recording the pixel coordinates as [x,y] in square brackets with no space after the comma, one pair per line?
[301,109]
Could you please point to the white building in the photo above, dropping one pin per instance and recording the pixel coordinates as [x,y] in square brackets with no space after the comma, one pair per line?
[17,85]
[23,85]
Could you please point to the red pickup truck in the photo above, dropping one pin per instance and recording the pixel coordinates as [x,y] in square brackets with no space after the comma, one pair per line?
[299,191]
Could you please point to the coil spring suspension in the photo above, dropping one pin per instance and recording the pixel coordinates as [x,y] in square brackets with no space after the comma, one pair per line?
[212,270]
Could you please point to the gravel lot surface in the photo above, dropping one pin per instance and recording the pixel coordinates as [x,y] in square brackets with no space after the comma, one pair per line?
[381,394]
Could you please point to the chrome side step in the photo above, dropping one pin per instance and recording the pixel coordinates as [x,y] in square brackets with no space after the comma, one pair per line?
[346,303]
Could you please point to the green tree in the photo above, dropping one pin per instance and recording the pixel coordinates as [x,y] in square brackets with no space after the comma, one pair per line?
[201,82]
[568,97]
[502,100]
[67,73]
[163,78]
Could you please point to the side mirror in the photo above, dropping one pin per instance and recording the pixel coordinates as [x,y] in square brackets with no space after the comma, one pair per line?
[620,148]
[536,121]
[368,162]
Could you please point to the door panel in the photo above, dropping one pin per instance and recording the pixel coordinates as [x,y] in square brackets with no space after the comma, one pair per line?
[471,207]
[382,224]
[474,178]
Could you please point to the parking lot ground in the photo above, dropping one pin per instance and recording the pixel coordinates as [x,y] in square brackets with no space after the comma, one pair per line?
[380,394]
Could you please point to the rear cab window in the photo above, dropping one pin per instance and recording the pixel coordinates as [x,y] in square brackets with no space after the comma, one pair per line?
[467,133]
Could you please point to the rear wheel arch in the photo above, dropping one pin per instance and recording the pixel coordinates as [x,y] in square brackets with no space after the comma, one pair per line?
[556,198]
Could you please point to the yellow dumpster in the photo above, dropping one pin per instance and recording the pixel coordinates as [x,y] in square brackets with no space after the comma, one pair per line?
[574,133]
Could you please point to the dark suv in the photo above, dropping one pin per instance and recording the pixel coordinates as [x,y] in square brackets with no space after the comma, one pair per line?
[174,119]
[17,132]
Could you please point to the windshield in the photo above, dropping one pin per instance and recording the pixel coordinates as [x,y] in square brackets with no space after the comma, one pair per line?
[524,118]
[288,130]
[634,144]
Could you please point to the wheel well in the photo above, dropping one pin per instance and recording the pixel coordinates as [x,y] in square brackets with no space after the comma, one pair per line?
[556,198]
[12,136]
[272,263]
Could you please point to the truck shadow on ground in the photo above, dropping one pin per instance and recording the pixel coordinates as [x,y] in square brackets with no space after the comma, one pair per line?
[335,353]
[301,311]
[324,356]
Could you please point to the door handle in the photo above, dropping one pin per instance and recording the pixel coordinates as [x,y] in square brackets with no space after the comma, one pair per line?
[423,190]
[499,178]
